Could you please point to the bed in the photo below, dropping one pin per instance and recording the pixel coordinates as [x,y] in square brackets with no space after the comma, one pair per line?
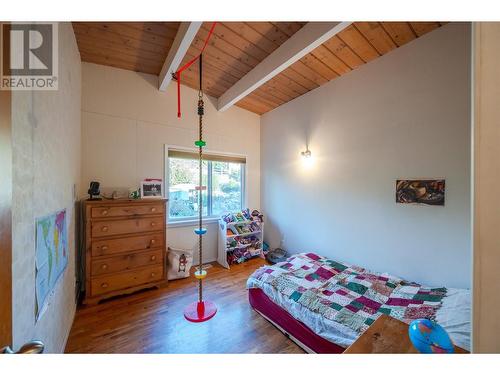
[325,305]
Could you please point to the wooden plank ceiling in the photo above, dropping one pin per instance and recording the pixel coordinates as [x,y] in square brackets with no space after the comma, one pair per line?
[237,47]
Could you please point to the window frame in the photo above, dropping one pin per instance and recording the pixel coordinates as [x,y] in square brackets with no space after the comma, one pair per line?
[190,220]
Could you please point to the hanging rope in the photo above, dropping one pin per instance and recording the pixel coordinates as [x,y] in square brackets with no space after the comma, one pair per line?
[201,310]
[177,75]
[201,112]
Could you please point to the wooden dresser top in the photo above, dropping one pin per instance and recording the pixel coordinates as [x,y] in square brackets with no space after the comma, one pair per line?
[125,201]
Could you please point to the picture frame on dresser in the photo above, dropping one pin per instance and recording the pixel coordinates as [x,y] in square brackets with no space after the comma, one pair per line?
[152,189]
[125,247]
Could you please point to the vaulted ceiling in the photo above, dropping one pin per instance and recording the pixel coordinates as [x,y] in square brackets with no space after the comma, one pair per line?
[238,47]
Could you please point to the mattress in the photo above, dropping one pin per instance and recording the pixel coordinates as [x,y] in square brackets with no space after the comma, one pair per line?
[453,311]
[293,328]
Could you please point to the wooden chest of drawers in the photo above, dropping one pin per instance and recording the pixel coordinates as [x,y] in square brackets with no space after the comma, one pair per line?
[125,246]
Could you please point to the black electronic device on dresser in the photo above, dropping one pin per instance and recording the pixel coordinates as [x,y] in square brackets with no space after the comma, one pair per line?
[94,191]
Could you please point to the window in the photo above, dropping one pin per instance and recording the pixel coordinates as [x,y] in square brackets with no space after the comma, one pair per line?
[223,184]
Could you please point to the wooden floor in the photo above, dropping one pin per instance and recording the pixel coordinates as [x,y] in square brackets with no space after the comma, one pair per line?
[152,321]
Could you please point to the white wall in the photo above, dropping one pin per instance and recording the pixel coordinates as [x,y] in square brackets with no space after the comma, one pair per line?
[404,115]
[486,326]
[46,139]
[126,122]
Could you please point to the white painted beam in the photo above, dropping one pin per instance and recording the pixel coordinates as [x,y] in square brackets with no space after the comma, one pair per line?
[312,35]
[185,35]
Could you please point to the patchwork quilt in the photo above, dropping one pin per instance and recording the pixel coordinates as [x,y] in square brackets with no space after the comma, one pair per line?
[346,294]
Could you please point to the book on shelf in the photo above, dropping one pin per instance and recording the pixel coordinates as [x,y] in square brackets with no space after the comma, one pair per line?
[241,237]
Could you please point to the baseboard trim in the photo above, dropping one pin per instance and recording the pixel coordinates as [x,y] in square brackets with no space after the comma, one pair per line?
[65,341]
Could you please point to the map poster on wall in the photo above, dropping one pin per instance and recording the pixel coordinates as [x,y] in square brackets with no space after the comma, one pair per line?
[51,255]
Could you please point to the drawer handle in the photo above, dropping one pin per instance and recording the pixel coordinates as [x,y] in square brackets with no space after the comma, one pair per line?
[153,223]
[104,247]
[153,209]
[153,274]
[153,257]
[104,229]
[152,242]
[104,212]
[104,266]
[104,285]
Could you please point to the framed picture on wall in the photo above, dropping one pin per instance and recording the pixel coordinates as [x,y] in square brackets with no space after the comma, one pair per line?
[152,188]
[425,191]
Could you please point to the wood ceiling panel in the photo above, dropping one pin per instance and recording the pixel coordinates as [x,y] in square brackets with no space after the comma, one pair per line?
[269,87]
[344,52]
[268,98]
[137,46]
[277,84]
[377,36]
[85,42]
[209,72]
[282,79]
[309,73]
[400,32]
[214,81]
[289,28]
[270,31]
[353,47]
[254,105]
[331,60]
[421,28]
[222,45]
[213,78]
[295,76]
[209,65]
[99,36]
[358,43]
[301,74]
[259,103]
[269,103]
[166,29]
[270,90]
[253,36]
[320,67]
[241,43]
[231,54]
[218,57]
[137,32]
[237,47]
[228,44]
[208,84]
[268,46]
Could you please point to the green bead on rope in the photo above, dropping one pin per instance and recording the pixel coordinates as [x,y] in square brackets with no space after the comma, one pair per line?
[200,143]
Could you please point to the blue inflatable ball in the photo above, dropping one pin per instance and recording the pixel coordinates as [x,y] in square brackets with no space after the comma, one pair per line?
[429,337]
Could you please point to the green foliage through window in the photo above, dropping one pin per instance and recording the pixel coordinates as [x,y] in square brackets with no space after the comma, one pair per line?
[223,193]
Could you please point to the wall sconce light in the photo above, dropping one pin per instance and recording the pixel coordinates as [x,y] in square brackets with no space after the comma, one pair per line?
[307,159]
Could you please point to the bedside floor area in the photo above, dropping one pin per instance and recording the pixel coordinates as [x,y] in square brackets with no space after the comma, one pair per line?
[152,321]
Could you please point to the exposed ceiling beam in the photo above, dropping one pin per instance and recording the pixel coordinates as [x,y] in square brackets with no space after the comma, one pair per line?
[312,35]
[185,35]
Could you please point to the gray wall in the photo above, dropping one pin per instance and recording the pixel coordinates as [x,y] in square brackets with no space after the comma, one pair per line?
[404,115]
[46,138]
